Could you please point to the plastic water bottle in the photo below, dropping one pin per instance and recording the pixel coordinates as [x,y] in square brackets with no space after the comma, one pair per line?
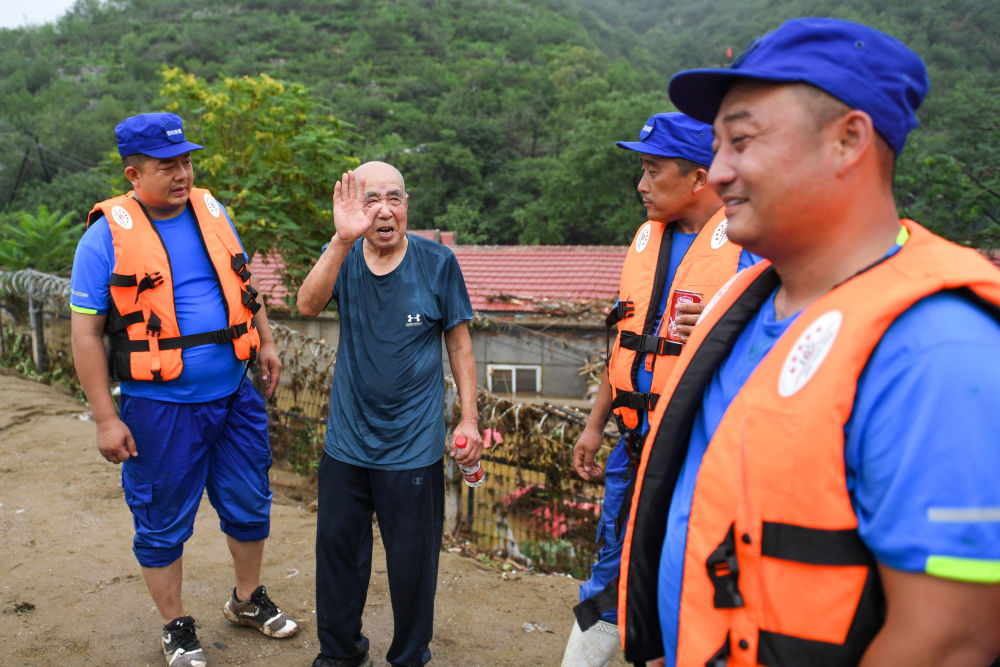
[473,475]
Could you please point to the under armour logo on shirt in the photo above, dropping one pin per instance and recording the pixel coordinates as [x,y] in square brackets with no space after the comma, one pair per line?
[413,320]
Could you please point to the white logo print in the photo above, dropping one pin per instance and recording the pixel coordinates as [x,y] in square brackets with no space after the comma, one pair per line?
[808,353]
[719,237]
[122,217]
[642,238]
[174,131]
[413,320]
[212,205]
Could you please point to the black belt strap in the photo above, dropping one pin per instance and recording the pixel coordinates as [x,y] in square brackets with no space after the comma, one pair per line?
[121,280]
[637,400]
[121,323]
[650,344]
[180,342]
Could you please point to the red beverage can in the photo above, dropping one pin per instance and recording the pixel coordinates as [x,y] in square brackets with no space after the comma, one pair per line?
[678,297]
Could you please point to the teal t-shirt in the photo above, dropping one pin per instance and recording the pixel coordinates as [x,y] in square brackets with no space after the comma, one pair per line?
[387,399]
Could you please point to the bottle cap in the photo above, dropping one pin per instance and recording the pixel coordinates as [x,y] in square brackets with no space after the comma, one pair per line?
[460,441]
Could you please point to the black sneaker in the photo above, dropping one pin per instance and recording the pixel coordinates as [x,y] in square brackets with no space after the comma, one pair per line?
[180,644]
[260,613]
[357,661]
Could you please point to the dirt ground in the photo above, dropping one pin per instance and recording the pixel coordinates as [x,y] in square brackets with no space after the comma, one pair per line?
[71,592]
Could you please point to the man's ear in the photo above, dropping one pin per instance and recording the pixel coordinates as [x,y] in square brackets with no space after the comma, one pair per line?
[699,180]
[855,136]
[132,174]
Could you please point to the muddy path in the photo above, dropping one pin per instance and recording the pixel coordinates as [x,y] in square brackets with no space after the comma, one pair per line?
[71,592]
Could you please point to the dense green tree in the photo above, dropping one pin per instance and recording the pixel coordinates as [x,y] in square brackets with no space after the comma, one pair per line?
[502,114]
[272,156]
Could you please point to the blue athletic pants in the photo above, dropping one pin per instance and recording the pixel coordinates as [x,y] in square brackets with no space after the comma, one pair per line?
[409,506]
[184,448]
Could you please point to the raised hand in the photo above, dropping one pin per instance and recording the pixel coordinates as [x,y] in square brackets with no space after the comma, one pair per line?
[350,217]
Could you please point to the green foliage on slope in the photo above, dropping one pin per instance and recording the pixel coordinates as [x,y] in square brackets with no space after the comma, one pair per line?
[501,114]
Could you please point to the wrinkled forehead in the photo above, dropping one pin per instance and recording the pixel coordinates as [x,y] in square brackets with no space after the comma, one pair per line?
[381,178]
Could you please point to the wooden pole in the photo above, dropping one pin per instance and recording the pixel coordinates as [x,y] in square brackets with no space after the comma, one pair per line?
[37,335]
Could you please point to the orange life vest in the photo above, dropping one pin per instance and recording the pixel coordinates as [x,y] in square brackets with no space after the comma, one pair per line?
[710,261]
[774,570]
[144,336]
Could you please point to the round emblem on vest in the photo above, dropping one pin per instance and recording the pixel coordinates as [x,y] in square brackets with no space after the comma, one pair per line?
[122,217]
[212,205]
[642,238]
[808,352]
[719,236]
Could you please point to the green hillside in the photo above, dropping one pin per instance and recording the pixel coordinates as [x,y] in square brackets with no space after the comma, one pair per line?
[501,114]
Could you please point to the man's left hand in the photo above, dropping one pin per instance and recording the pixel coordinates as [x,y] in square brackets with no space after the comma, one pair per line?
[270,367]
[687,317]
[468,455]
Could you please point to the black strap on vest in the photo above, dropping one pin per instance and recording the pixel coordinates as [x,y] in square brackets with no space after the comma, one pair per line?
[249,298]
[150,281]
[637,400]
[659,287]
[239,264]
[122,280]
[643,638]
[122,322]
[823,547]
[622,310]
[154,325]
[813,545]
[724,571]
[219,336]
[650,344]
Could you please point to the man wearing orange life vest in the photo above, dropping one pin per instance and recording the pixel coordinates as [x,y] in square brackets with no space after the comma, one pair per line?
[162,272]
[822,487]
[681,249]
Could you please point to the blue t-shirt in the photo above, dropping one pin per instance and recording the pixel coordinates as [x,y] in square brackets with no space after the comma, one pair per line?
[210,371]
[387,399]
[921,450]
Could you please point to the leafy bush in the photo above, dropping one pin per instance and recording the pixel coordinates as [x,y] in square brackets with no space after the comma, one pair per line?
[42,241]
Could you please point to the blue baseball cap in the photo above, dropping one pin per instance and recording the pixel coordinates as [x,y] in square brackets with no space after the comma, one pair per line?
[862,67]
[159,135]
[674,135]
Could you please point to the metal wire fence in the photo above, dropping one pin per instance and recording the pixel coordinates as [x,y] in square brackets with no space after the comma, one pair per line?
[532,507]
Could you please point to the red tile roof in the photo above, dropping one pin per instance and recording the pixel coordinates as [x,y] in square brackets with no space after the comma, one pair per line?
[538,278]
[268,270]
